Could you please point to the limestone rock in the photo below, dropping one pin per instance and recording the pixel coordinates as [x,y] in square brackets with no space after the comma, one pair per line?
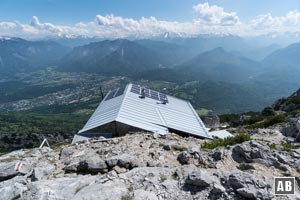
[94,165]
[90,164]
[111,162]
[67,152]
[211,121]
[13,188]
[42,172]
[96,191]
[59,188]
[248,186]
[116,169]
[7,170]
[127,161]
[144,195]
[217,155]
[201,179]
[252,152]
[183,158]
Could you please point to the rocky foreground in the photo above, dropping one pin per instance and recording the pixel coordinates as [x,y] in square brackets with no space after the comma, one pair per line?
[144,166]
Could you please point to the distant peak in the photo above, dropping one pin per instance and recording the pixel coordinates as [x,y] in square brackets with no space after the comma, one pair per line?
[219,49]
[7,38]
[167,35]
[121,40]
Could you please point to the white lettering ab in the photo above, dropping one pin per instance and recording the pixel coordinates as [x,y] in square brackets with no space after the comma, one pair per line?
[280,187]
[288,186]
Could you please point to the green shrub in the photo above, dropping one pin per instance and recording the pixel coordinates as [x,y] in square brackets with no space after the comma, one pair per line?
[232,119]
[287,146]
[130,188]
[275,120]
[240,138]
[268,111]
[294,100]
[162,178]
[272,145]
[126,197]
[294,112]
[254,119]
[269,121]
[175,176]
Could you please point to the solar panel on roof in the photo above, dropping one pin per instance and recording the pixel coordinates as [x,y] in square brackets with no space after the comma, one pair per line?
[110,95]
[135,89]
[154,96]
[147,95]
[147,92]
[115,93]
[120,91]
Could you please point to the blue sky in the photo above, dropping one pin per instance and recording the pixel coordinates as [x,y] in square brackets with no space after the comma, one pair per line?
[73,11]
[34,19]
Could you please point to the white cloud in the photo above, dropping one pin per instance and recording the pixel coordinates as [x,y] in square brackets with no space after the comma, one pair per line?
[209,19]
[268,23]
[214,15]
[291,20]
[144,27]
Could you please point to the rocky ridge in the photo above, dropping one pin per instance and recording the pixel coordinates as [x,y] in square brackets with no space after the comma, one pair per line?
[145,166]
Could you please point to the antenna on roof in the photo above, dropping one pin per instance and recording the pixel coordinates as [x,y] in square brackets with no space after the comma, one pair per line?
[143,95]
[101,91]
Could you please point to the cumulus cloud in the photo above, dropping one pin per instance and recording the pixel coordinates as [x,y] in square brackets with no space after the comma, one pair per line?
[209,19]
[214,15]
[292,19]
[144,27]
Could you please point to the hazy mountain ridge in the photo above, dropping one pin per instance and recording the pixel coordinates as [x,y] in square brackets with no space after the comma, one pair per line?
[117,57]
[21,55]
[219,65]
[288,56]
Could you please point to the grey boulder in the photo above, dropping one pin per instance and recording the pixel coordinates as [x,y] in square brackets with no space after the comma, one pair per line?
[13,188]
[90,164]
[201,179]
[248,186]
[144,195]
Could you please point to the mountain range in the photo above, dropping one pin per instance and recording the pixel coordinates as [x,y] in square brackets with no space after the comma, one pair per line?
[117,57]
[219,65]
[21,55]
[227,61]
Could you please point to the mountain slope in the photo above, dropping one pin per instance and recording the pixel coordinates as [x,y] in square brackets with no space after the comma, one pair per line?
[172,53]
[289,104]
[288,56]
[21,55]
[221,66]
[204,43]
[117,57]
[283,66]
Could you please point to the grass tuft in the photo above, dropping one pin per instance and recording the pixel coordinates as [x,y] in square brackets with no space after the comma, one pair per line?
[240,138]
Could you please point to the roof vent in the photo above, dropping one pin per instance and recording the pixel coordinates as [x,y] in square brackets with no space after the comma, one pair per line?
[164,101]
[143,94]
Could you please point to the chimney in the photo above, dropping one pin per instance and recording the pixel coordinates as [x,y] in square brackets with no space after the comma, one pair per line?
[143,95]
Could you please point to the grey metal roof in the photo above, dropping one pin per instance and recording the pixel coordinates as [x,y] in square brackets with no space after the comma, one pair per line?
[147,113]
